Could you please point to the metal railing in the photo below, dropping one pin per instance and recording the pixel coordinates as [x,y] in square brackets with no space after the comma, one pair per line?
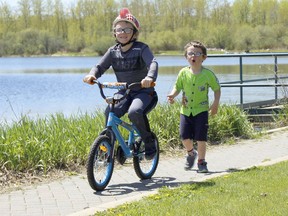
[241,82]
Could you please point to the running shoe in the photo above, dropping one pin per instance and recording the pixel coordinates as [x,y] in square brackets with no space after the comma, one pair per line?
[190,160]
[202,167]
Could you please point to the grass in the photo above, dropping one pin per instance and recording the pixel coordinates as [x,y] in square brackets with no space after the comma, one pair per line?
[281,118]
[256,191]
[44,144]
[230,122]
[59,142]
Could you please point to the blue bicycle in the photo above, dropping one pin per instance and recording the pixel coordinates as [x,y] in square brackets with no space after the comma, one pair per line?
[111,144]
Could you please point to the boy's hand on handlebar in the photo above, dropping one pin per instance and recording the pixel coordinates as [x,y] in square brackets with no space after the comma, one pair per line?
[147,82]
[89,79]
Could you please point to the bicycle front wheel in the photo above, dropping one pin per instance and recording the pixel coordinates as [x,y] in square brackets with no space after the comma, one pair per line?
[100,163]
[145,169]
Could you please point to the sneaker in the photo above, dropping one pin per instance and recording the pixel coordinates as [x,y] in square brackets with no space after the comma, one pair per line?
[190,160]
[202,167]
[150,150]
[138,146]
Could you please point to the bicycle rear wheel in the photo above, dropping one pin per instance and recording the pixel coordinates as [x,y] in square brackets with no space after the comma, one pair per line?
[145,169]
[100,163]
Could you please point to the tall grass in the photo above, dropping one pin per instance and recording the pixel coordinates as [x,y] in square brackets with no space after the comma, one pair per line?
[60,142]
[281,118]
[230,122]
[44,144]
[164,121]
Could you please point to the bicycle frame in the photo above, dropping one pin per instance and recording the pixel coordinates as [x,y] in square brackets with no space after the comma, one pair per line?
[113,123]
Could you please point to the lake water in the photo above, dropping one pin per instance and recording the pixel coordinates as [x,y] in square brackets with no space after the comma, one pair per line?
[41,86]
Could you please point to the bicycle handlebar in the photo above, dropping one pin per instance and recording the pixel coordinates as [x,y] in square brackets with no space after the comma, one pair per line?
[114,85]
[119,86]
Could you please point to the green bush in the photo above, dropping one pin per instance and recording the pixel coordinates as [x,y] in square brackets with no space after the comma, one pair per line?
[103,44]
[230,122]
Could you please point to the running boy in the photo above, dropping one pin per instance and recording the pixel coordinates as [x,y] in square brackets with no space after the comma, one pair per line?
[132,61]
[194,81]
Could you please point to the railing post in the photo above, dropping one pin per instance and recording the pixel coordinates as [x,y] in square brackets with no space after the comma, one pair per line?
[241,80]
[276,75]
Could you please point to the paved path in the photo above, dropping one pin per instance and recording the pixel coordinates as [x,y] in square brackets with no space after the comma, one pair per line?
[73,195]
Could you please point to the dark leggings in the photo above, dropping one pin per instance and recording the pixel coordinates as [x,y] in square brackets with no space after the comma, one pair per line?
[137,105]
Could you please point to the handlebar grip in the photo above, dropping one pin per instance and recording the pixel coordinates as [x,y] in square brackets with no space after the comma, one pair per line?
[114,85]
[152,84]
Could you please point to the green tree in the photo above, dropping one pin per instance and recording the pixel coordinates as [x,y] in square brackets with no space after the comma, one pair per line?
[49,44]
[283,13]
[29,42]
[241,11]
[37,19]
[59,20]
[221,12]
[245,37]
[7,19]
[264,12]
[165,24]
[25,13]
[266,38]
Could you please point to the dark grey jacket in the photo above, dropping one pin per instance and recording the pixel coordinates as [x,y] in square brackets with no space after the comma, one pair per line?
[130,66]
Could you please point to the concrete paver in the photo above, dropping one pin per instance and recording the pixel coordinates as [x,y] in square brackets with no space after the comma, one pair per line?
[73,195]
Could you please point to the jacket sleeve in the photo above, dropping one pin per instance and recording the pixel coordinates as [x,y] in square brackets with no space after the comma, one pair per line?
[151,63]
[102,66]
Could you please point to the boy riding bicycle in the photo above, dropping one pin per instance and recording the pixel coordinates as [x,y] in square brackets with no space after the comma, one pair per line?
[132,61]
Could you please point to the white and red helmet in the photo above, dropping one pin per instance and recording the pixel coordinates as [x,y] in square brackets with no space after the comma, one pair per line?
[126,16]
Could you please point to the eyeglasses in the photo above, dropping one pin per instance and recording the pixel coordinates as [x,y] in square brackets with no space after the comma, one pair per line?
[194,54]
[125,30]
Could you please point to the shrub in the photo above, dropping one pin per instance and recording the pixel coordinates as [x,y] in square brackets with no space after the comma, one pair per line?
[230,122]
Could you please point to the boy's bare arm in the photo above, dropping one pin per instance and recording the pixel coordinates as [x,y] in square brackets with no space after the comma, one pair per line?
[215,104]
[172,95]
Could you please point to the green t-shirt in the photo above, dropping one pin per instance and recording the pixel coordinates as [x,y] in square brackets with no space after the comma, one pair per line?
[196,88]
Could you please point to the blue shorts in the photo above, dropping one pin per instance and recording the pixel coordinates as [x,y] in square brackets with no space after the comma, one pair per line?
[194,127]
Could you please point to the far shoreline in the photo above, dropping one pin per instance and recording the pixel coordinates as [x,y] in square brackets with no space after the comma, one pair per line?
[161,53]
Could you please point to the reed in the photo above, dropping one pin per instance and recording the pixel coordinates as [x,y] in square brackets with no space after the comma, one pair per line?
[61,142]
[281,118]
[43,144]
[231,122]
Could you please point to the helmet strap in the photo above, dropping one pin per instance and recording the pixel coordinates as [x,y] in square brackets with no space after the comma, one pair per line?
[124,44]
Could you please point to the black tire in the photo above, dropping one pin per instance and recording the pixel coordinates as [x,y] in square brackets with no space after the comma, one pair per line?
[145,169]
[100,163]
[108,132]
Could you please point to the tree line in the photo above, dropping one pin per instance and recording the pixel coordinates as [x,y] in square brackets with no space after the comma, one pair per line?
[37,27]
